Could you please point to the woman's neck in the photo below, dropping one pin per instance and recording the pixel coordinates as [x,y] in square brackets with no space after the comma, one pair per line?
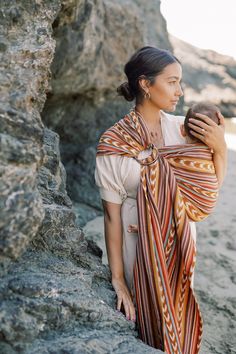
[150,114]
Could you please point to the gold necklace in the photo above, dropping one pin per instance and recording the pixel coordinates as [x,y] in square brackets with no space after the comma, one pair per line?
[156,137]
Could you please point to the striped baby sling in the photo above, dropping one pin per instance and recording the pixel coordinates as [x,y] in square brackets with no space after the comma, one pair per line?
[177,184]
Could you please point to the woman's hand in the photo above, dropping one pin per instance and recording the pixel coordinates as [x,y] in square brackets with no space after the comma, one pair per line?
[124,298]
[133,228]
[212,135]
[209,132]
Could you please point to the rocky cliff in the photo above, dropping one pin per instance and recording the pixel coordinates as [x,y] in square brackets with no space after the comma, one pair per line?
[207,75]
[55,293]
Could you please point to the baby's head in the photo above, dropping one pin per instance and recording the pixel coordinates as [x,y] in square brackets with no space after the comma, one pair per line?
[206,108]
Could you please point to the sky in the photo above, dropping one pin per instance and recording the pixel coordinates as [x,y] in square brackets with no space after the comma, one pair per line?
[207,24]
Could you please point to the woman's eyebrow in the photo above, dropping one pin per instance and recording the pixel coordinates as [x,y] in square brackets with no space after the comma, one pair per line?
[173,77]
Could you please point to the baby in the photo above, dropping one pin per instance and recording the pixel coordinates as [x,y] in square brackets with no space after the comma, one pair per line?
[206,108]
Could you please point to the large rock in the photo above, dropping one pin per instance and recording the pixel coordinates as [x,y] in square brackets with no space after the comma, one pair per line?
[55,294]
[52,305]
[26,49]
[57,297]
[207,75]
[94,41]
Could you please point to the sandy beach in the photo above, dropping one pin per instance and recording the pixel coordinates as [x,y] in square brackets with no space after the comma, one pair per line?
[215,271]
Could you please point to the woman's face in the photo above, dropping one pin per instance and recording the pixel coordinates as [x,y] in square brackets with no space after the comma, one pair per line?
[166,90]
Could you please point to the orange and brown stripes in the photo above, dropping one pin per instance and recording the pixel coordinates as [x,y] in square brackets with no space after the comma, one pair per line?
[177,182]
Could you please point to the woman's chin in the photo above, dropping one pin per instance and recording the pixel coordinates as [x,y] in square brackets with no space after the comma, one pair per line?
[171,108]
[168,107]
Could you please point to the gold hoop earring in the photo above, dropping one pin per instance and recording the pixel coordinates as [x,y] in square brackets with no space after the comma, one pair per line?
[147,95]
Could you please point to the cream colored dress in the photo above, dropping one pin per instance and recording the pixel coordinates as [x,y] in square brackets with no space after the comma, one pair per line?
[117,178]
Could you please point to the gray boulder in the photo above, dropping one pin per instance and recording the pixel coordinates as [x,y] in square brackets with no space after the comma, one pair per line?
[26,49]
[55,293]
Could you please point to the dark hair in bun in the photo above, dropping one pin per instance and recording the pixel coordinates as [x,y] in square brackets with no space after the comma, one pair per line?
[147,62]
[124,90]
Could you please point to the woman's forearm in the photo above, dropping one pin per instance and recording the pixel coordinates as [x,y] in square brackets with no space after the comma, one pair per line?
[113,238]
[220,162]
[114,242]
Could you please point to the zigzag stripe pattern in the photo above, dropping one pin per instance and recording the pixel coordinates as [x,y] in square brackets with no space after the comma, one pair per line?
[177,184]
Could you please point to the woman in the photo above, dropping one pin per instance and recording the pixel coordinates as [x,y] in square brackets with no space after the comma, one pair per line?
[154,78]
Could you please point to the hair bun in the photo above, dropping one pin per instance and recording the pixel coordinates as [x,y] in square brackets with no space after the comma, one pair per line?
[125,91]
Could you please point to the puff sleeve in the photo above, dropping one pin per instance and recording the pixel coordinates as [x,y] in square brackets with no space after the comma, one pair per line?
[108,178]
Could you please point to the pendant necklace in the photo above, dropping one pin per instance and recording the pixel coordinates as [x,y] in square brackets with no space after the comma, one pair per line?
[156,137]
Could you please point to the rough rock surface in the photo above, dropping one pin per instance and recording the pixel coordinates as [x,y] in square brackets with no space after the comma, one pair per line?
[57,297]
[55,293]
[207,75]
[26,49]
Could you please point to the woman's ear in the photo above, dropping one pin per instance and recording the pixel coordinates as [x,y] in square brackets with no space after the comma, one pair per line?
[182,130]
[143,83]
